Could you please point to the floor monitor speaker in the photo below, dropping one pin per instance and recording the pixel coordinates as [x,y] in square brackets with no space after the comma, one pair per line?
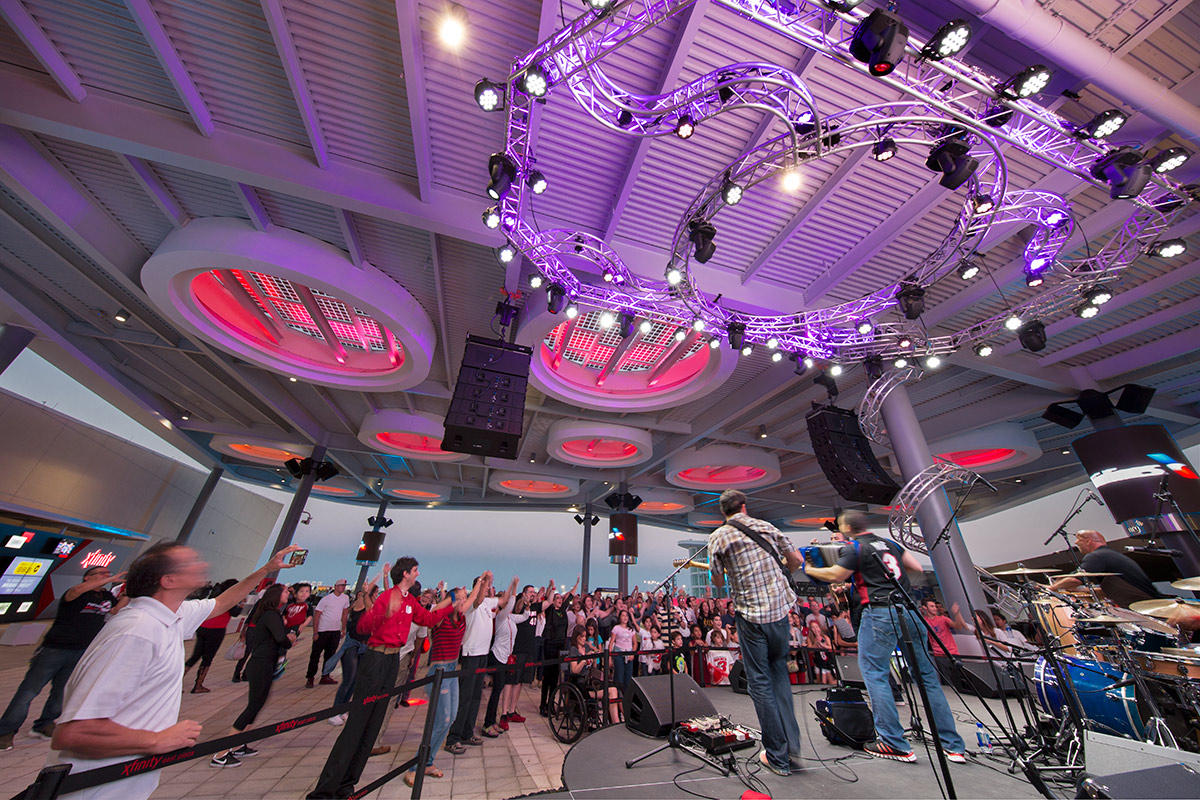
[648,703]
[737,678]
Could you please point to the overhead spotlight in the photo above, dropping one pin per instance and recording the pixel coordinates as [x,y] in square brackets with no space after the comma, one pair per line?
[949,40]
[608,276]
[452,29]
[843,5]
[697,324]
[873,364]
[625,323]
[536,182]
[912,300]
[982,203]
[1169,159]
[1033,279]
[556,298]
[674,276]
[736,331]
[952,159]
[997,115]
[1125,172]
[809,362]
[904,342]
[933,361]
[506,253]
[535,281]
[879,42]
[534,81]
[491,217]
[1168,248]
[1086,310]
[864,326]
[1057,217]
[1013,322]
[777,356]
[702,232]
[645,326]
[607,319]
[488,95]
[680,335]
[685,126]
[983,349]
[747,349]
[1025,83]
[884,150]
[1033,336]
[792,488]
[1104,124]
[501,174]
[968,269]
[826,380]
[799,365]
[900,362]
[298,468]
[572,311]
[122,316]
[791,180]
[1098,296]
[836,370]
[762,431]
[731,192]
[714,343]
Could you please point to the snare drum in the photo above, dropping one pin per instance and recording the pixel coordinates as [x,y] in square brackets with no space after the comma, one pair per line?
[1112,711]
[1170,665]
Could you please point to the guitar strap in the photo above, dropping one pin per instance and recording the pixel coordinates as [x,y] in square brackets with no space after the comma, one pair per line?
[758,539]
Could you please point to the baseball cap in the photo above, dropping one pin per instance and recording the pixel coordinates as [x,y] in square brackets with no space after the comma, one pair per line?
[340,582]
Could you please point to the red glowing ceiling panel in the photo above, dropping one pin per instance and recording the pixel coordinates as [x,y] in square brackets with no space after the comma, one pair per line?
[340,491]
[979,458]
[600,449]
[660,506]
[410,442]
[263,452]
[534,487]
[723,474]
[416,494]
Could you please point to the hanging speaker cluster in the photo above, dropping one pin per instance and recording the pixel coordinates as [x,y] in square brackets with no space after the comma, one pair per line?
[488,408]
[845,456]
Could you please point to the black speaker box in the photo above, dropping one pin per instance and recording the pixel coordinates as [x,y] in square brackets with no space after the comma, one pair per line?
[977,679]
[1156,783]
[648,703]
[844,455]
[848,671]
[488,407]
[737,678]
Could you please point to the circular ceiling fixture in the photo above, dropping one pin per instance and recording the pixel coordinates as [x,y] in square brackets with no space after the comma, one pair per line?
[710,518]
[524,485]
[339,489]
[259,451]
[581,361]
[723,466]
[990,449]
[416,435]
[810,522]
[664,501]
[416,491]
[292,304]
[598,444]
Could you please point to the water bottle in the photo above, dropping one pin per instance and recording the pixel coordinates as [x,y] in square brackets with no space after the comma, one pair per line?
[983,738]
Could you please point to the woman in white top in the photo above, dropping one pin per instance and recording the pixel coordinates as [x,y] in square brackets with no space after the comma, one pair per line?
[623,639]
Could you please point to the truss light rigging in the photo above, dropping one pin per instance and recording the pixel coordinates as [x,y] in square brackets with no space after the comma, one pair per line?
[879,42]
[488,95]
[1025,83]
[949,40]
[884,150]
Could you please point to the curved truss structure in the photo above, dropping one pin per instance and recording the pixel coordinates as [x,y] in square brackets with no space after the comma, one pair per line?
[870,417]
[933,478]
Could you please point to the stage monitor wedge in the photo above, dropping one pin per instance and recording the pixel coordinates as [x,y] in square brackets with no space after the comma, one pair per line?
[487,410]
[844,455]
[648,703]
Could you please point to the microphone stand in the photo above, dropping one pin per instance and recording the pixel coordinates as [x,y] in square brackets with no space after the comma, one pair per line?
[1164,494]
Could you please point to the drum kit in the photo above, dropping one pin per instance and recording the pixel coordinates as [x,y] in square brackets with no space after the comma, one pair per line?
[1109,669]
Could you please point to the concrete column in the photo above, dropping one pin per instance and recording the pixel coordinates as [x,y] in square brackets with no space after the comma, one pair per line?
[362,573]
[13,340]
[585,572]
[950,559]
[193,516]
[299,500]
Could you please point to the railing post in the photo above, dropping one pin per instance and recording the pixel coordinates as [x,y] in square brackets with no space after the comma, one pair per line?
[435,696]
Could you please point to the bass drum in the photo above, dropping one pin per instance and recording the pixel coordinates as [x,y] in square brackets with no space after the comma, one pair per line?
[1111,711]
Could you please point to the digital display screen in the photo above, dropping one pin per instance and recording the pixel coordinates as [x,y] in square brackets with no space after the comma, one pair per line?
[4,607]
[19,540]
[622,538]
[1128,466]
[64,548]
[24,575]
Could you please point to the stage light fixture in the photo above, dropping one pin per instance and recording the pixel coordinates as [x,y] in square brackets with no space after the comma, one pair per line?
[879,42]
[535,281]
[952,159]
[608,276]
[1025,83]
[1086,310]
[1104,124]
[491,217]
[864,326]
[680,335]
[826,380]
[1013,322]
[556,298]
[1169,159]
[747,349]
[773,342]
[799,365]
[873,364]
[762,431]
[1098,296]
[599,6]
[997,115]
[904,342]
[625,323]
[900,362]
[737,332]
[506,253]
[488,95]
[536,182]
[791,180]
[685,126]
[702,232]
[949,40]
[714,343]
[982,203]
[122,316]
[983,349]
[884,150]
[968,269]
[697,324]
[1061,415]
[452,28]
[911,298]
[731,192]
[1057,217]
[843,5]
[534,81]
[836,370]
[1033,279]
[298,468]
[501,174]
[645,326]
[1124,171]
[1033,336]
[326,470]
[933,361]
[674,276]
[1168,248]
[607,319]
[809,362]
[777,356]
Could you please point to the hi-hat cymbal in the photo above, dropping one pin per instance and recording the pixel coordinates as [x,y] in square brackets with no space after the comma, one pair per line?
[1161,608]
[1028,571]
[1188,584]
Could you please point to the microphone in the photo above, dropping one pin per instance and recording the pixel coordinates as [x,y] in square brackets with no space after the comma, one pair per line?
[1153,551]
[1093,496]
[1051,539]
[1120,684]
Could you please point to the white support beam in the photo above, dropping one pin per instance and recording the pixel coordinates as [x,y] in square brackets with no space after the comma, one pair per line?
[1017,368]
[164,50]
[350,234]
[253,206]
[439,285]
[1177,344]
[26,27]
[144,174]
[1120,332]
[277,22]
[409,25]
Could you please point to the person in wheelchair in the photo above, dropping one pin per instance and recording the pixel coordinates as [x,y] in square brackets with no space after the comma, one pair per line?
[588,675]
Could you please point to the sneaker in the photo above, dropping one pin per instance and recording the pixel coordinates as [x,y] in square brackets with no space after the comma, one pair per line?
[502,724]
[245,752]
[474,741]
[328,681]
[44,732]
[543,711]
[6,742]
[885,750]
[456,748]
[956,757]
[515,717]
[308,684]
[337,719]
[492,732]
[226,760]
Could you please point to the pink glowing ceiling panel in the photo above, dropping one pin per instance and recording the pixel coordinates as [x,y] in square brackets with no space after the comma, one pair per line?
[414,443]
[723,475]
[258,452]
[534,487]
[981,457]
[600,450]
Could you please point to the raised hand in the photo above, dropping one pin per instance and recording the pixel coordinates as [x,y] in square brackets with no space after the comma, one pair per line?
[279,560]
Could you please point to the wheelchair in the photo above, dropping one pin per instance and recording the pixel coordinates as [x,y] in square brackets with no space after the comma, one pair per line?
[574,712]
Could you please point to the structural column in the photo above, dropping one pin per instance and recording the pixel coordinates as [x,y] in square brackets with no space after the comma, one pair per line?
[13,340]
[300,499]
[193,516]
[362,573]
[955,571]
[585,571]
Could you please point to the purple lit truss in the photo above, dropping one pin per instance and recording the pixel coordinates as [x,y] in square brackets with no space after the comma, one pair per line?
[948,98]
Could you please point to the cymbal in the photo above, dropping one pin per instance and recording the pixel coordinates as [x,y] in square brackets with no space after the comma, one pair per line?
[1161,608]
[1028,571]
[1192,584]
[1088,574]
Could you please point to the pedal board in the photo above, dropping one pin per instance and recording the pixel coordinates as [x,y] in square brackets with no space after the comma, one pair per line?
[718,735]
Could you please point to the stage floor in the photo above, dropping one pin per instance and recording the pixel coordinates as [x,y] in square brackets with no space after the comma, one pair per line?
[595,767]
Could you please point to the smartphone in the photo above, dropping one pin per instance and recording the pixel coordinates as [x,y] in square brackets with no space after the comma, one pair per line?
[297,558]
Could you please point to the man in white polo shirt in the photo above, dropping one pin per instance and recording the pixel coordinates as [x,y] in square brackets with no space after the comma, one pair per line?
[329,625]
[123,698]
[477,641]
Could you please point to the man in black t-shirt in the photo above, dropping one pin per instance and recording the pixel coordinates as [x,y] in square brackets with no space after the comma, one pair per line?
[1128,585]
[81,614]
[877,566]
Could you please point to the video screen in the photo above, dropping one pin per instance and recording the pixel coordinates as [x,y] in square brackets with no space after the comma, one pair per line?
[1127,466]
[622,538]
[24,575]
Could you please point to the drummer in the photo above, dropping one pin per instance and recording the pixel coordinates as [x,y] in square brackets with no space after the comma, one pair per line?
[1130,583]
[1186,617]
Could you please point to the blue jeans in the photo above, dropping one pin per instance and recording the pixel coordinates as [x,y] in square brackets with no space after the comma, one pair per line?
[447,708]
[765,654]
[49,665]
[878,635]
[349,654]
[622,671]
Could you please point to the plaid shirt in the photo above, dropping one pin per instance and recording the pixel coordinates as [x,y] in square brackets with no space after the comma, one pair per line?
[760,594]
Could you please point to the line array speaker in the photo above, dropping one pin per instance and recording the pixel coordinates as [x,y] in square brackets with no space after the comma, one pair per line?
[845,456]
[487,410]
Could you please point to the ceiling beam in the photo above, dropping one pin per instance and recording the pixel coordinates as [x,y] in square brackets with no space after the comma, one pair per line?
[1120,332]
[144,174]
[26,27]
[286,48]
[1176,344]
[253,206]
[350,235]
[684,37]
[164,51]
[409,25]
[672,357]
[1017,368]
[624,346]
[322,322]
[439,286]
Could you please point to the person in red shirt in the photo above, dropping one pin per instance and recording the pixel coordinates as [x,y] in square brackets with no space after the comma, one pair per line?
[944,627]
[388,623]
[209,636]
